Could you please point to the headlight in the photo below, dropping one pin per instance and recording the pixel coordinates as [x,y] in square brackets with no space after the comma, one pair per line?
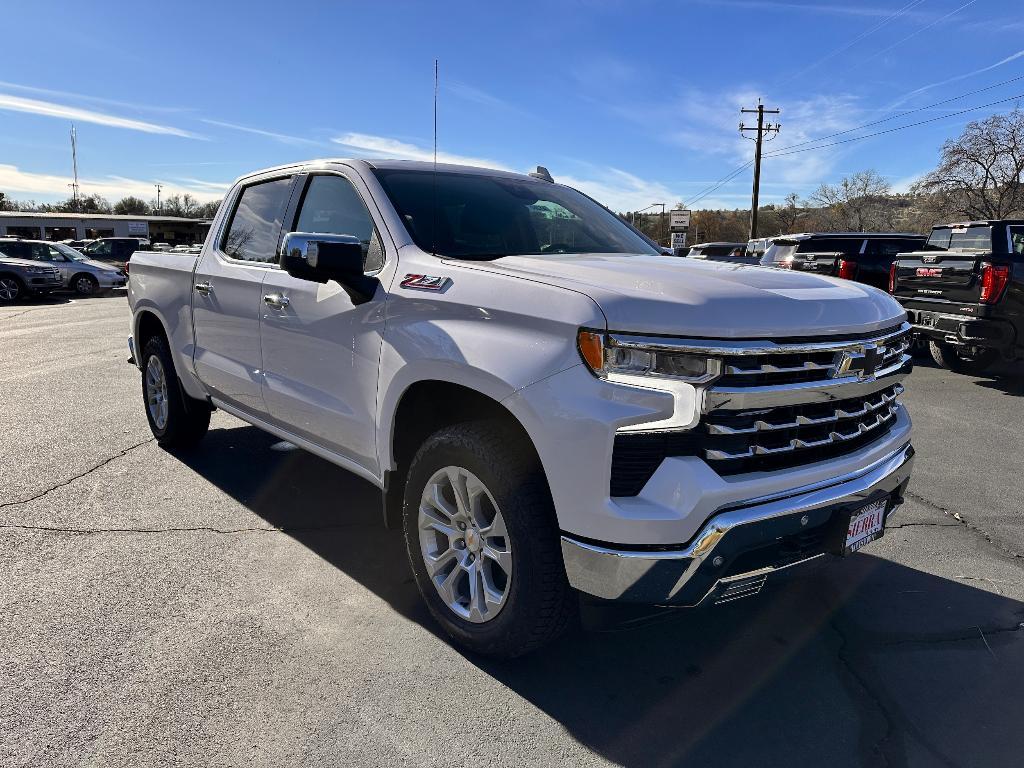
[608,357]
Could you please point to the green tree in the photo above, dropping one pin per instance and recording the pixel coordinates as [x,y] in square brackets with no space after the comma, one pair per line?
[131,206]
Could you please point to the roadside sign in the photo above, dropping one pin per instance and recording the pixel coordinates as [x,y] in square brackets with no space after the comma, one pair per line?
[679,219]
[678,240]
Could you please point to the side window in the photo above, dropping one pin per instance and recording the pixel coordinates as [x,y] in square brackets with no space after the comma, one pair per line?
[890,249]
[256,223]
[101,249]
[1017,240]
[332,206]
[54,254]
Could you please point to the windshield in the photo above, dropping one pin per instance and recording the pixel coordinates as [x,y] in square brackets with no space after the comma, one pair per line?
[778,251]
[486,217]
[938,240]
[68,251]
[971,239]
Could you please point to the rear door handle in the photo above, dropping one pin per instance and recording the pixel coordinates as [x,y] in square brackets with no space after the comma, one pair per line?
[204,288]
[276,300]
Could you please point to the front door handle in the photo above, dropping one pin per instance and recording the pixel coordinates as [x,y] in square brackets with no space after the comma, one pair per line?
[204,288]
[276,300]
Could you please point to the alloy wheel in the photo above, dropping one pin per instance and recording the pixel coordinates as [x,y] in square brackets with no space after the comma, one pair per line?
[465,545]
[9,289]
[156,391]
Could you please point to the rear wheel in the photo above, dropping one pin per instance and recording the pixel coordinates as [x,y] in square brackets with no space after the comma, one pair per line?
[85,285]
[11,289]
[962,359]
[176,420]
[483,541]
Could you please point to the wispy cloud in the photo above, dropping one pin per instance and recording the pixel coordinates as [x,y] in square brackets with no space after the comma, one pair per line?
[478,96]
[382,146]
[74,96]
[620,190]
[1002,62]
[819,8]
[12,103]
[284,138]
[55,186]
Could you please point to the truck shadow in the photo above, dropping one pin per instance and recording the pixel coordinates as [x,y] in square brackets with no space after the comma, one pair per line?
[861,662]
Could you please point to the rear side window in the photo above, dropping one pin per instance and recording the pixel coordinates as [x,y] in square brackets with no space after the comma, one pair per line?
[256,223]
[971,239]
[845,245]
[890,249]
[1017,240]
[332,206]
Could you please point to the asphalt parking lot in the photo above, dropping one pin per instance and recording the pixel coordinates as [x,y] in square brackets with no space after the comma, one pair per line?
[245,606]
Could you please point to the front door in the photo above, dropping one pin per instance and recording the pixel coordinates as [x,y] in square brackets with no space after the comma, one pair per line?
[320,349]
[227,296]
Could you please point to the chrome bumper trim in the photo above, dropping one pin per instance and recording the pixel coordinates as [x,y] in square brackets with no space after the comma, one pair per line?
[687,576]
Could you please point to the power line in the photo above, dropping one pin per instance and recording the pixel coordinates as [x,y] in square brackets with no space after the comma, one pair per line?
[724,180]
[901,41]
[783,153]
[901,114]
[908,7]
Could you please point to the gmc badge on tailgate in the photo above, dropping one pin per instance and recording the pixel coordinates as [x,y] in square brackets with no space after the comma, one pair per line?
[929,271]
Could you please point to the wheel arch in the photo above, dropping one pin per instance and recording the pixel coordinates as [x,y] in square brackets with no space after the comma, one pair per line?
[424,407]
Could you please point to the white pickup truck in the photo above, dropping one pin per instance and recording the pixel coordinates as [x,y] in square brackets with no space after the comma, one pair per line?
[549,405]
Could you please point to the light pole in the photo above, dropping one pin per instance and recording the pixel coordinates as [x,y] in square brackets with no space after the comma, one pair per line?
[661,237]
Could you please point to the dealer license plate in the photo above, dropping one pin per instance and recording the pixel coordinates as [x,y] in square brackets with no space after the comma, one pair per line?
[866,524]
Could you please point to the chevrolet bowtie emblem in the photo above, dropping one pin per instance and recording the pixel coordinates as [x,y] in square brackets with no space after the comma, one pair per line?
[861,361]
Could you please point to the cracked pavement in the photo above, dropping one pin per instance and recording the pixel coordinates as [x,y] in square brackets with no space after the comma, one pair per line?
[243,605]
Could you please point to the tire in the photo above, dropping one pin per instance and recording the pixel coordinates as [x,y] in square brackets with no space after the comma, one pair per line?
[177,421]
[11,289]
[536,603]
[84,285]
[949,356]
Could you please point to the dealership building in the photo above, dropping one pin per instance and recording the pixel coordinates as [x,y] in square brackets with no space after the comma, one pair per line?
[88,226]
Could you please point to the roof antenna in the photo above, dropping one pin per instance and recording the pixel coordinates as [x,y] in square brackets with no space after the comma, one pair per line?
[433,228]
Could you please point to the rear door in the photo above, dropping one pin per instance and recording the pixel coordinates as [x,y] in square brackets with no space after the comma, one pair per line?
[227,294]
[321,349]
[948,269]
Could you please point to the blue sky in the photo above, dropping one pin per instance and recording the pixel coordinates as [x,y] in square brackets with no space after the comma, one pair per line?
[634,102]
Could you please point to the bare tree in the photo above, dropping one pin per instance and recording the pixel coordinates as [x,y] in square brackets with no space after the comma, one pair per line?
[184,205]
[789,214]
[981,173]
[858,203]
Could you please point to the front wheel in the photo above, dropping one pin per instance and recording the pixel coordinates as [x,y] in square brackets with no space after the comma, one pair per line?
[961,360]
[176,420]
[483,540]
[85,285]
[11,289]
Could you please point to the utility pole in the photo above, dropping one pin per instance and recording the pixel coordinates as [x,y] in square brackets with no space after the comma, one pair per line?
[158,188]
[661,224]
[74,165]
[761,131]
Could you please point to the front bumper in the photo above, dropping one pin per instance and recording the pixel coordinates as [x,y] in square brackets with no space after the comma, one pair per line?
[963,329]
[737,549]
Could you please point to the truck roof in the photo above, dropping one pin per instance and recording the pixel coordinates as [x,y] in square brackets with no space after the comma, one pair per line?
[979,223]
[386,164]
[806,235]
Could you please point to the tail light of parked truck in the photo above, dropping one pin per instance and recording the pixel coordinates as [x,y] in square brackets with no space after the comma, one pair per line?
[994,278]
[892,277]
[847,269]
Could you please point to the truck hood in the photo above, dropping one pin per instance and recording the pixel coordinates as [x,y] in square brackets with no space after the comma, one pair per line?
[673,296]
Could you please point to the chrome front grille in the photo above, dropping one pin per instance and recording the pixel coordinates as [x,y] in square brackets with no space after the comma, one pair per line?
[735,436]
[777,405]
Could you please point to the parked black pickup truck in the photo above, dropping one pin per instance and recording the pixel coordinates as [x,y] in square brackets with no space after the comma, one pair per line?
[964,293]
[864,257]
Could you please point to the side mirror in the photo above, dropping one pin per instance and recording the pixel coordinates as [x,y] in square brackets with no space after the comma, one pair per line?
[323,257]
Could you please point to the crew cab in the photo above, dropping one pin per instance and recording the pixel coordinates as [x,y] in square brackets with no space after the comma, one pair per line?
[964,293]
[861,256]
[551,409]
